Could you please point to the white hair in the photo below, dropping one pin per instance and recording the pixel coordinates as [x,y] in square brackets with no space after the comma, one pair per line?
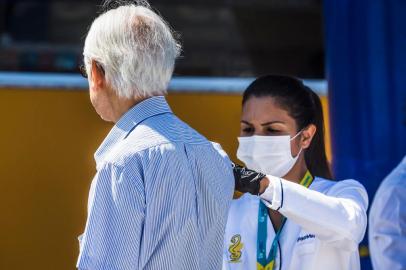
[136,49]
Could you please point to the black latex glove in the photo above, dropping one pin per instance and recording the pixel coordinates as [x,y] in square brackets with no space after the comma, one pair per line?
[246,180]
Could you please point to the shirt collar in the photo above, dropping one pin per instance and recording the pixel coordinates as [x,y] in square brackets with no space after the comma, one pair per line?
[141,111]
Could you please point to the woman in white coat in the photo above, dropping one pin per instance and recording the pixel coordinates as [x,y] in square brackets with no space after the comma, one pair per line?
[295,217]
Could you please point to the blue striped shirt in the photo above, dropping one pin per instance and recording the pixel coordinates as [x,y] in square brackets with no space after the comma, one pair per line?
[160,197]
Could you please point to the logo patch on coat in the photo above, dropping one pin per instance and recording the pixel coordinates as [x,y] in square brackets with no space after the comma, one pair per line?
[235,248]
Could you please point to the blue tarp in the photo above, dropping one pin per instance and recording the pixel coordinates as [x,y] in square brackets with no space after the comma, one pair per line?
[366,73]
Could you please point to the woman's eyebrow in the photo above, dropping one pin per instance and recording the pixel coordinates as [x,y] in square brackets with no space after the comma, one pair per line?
[272,122]
[245,122]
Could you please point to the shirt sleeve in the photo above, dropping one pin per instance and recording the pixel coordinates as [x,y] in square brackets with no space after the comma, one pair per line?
[387,229]
[116,211]
[338,218]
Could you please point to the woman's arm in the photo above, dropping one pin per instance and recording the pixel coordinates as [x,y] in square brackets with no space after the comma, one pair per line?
[339,217]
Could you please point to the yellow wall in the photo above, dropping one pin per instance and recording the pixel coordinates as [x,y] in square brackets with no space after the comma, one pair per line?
[47,140]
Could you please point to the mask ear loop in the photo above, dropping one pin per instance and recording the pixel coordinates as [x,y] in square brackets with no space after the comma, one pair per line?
[294,137]
[297,134]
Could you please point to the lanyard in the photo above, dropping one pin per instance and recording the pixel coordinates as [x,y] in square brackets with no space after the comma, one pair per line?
[264,262]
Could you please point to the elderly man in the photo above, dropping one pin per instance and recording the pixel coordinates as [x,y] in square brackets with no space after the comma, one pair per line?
[161,193]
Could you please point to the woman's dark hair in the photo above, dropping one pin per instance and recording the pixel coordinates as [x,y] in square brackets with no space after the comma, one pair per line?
[303,105]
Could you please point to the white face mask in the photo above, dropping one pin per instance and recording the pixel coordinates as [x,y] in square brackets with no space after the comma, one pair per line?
[267,154]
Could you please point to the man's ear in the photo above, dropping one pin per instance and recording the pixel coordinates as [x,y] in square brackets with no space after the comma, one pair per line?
[97,76]
[307,136]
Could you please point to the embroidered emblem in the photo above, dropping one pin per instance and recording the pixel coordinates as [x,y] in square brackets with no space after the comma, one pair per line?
[307,236]
[235,248]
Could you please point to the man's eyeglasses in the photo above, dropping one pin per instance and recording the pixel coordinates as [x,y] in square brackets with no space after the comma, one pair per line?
[83,71]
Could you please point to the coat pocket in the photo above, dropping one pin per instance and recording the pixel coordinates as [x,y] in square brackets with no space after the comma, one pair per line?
[306,248]
[305,244]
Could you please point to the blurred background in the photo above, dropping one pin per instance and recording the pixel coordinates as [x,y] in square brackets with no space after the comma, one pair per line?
[220,38]
[351,52]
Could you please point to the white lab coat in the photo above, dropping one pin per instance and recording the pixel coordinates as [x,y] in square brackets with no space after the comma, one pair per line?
[324,226]
[387,222]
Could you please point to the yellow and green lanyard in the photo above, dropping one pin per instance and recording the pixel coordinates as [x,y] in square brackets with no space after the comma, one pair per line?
[264,262]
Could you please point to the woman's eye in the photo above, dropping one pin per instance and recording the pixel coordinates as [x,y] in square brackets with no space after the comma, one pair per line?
[270,130]
[247,130]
